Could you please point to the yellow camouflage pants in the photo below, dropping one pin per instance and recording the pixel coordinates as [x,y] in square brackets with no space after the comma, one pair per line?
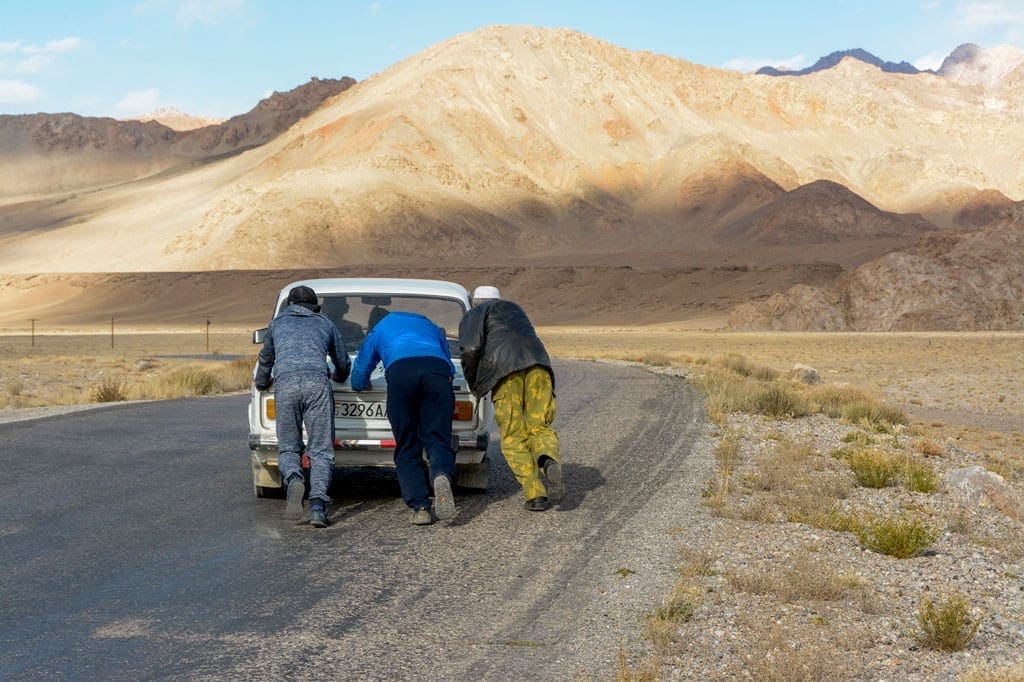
[524,407]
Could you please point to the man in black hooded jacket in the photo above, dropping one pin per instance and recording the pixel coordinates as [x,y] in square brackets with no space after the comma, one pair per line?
[502,355]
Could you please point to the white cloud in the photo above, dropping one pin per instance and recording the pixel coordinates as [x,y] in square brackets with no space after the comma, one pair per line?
[1004,19]
[206,12]
[139,102]
[750,64]
[373,8]
[9,46]
[54,46]
[932,60]
[34,64]
[18,92]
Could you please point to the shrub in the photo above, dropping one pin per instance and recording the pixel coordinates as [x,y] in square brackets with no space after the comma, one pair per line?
[656,359]
[928,448]
[947,625]
[874,413]
[873,468]
[775,400]
[110,389]
[858,438]
[832,399]
[900,536]
[920,477]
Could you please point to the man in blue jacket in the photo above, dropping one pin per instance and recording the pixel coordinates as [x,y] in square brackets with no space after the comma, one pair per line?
[296,347]
[419,372]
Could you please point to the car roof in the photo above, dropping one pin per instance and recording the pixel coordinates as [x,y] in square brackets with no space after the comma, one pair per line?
[382,285]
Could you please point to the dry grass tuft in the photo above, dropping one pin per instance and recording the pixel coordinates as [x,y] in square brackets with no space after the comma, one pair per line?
[199,380]
[902,536]
[928,448]
[919,476]
[880,417]
[874,468]
[947,625]
[776,400]
[110,389]
[646,671]
[804,579]
[832,399]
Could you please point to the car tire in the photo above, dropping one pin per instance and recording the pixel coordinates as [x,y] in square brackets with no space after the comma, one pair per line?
[264,492]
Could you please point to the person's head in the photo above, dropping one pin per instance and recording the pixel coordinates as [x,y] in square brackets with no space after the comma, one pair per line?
[485,293]
[304,296]
[376,315]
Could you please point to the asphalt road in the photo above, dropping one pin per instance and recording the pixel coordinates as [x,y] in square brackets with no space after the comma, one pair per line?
[132,547]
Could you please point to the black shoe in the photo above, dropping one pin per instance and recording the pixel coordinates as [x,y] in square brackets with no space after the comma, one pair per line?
[536,504]
[296,491]
[444,501]
[554,481]
[318,514]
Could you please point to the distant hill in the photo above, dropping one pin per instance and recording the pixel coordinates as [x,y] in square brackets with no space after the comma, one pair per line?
[989,67]
[47,153]
[831,60]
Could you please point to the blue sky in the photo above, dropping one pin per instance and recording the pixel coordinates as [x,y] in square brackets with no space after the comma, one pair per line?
[220,57]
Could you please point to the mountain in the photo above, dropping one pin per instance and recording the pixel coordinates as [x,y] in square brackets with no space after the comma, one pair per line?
[176,120]
[49,153]
[954,280]
[821,211]
[990,68]
[544,150]
[833,59]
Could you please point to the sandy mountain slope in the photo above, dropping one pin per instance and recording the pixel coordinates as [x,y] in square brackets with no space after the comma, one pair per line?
[821,211]
[177,120]
[527,142]
[53,153]
[971,279]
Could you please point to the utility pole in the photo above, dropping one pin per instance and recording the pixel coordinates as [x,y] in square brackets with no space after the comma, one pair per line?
[33,321]
[207,333]
[111,331]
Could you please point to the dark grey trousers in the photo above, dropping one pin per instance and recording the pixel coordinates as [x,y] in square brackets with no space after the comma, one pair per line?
[306,399]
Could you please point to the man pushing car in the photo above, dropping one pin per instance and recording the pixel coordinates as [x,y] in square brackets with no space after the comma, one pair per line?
[502,355]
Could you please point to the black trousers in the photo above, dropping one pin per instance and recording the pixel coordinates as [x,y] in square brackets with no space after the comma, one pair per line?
[420,405]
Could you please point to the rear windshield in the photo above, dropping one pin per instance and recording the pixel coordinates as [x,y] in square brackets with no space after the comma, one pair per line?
[356,314]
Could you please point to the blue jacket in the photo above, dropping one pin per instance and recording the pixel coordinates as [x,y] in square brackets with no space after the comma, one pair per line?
[399,335]
[298,341]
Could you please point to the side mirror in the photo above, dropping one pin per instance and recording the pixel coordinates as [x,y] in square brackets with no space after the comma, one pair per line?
[259,335]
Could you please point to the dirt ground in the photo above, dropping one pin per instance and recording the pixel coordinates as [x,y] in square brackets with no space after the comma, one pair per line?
[963,386]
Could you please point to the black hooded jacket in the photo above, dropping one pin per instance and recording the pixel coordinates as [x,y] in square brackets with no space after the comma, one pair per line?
[495,340]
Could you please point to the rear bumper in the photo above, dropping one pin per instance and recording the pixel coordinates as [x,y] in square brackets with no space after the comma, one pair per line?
[470,449]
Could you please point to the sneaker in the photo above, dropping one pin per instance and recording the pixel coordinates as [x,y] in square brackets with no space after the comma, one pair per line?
[444,501]
[536,504]
[318,514]
[422,517]
[296,491]
[553,481]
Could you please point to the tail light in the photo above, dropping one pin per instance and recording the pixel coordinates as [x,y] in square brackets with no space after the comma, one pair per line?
[463,411]
[270,409]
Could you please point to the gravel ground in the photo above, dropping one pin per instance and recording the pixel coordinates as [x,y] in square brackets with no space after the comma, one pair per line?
[783,600]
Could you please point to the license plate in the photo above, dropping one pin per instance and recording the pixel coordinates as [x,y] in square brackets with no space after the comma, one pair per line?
[346,409]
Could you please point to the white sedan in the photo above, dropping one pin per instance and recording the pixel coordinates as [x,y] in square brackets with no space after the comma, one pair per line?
[362,432]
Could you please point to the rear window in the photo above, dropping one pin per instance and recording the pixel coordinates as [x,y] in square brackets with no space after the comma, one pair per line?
[356,314]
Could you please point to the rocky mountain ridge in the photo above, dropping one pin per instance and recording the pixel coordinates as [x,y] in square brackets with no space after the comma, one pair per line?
[50,153]
[832,59]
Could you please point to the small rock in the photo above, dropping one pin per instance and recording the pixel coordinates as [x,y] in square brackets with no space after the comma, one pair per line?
[976,486]
[807,375]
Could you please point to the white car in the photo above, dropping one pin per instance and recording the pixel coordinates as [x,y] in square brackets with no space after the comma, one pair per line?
[363,435]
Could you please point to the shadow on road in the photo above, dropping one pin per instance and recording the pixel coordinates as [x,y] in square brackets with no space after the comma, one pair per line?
[580,481]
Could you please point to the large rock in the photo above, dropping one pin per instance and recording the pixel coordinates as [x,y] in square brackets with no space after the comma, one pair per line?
[976,486]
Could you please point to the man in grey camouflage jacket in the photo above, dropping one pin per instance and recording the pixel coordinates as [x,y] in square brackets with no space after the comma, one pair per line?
[293,359]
